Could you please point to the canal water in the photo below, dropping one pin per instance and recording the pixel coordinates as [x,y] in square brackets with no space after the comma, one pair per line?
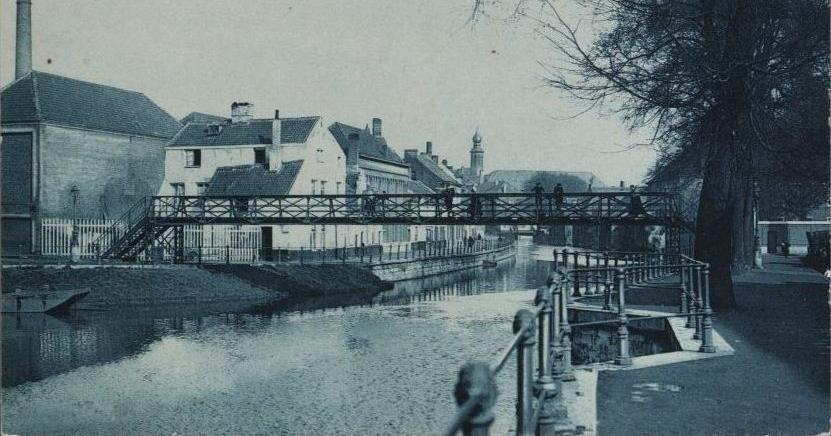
[362,364]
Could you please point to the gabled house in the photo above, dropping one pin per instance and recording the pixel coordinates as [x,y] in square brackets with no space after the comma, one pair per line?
[250,157]
[59,133]
[372,166]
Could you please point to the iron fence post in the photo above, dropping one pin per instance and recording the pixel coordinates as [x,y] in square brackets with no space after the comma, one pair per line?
[689,296]
[698,304]
[555,284]
[707,345]
[576,292]
[607,293]
[622,357]
[565,337]
[524,325]
[556,260]
[683,286]
[476,382]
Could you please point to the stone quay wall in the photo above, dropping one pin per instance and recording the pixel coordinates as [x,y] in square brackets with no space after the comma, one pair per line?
[398,270]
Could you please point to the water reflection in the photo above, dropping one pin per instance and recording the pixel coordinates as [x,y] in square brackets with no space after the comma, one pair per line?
[37,346]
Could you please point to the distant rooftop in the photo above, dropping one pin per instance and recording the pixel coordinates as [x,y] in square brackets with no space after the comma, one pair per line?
[199,117]
[49,98]
[256,131]
[371,146]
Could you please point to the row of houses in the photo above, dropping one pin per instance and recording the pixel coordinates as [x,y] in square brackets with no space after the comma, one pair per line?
[80,150]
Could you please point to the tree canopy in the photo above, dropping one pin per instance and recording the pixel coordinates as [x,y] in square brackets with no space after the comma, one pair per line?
[735,92]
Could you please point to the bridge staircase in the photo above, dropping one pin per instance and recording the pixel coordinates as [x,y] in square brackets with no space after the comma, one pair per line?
[133,233]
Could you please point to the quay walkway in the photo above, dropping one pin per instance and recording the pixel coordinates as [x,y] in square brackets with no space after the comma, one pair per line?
[777,382]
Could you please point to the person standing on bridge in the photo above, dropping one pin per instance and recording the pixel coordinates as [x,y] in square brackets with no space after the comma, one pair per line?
[559,195]
[538,193]
[474,203]
[382,202]
[636,208]
[449,193]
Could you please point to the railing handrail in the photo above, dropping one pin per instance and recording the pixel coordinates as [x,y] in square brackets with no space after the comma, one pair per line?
[532,415]
[529,195]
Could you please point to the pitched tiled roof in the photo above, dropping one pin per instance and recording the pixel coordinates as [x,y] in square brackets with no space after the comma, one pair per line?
[371,146]
[253,180]
[43,97]
[439,170]
[416,187]
[258,131]
[199,117]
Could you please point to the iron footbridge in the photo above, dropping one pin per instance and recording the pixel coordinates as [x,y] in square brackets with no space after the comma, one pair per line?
[159,219]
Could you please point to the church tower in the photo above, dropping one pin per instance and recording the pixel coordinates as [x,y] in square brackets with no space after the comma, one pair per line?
[477,156]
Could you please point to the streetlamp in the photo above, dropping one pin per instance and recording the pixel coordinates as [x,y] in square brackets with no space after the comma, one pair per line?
[74,249]
[757,245]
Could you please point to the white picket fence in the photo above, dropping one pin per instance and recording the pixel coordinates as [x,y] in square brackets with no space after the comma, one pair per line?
[56,236]
[235,244]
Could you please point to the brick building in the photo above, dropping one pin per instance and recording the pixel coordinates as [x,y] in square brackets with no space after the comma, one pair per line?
[60,132]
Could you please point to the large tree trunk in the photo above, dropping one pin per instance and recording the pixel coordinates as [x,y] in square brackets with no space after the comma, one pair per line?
[724,230]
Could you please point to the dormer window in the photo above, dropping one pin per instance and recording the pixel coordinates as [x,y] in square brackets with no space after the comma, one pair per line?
[193,158]
[259,157]
[214,129]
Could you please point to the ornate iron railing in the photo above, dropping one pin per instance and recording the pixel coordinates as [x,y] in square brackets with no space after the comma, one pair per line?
[542,335]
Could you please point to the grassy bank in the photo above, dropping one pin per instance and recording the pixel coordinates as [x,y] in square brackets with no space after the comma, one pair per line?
[306,280]
[112,287]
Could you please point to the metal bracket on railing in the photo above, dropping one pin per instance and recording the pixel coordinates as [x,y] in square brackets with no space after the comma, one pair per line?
[475,393]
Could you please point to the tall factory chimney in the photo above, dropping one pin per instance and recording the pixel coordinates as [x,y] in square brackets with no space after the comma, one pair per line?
[23,43]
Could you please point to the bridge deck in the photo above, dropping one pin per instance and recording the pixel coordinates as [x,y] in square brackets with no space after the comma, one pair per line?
[649,208]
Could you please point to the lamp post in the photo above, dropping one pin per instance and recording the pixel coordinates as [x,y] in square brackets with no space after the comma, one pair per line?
[757,245]
[74,249]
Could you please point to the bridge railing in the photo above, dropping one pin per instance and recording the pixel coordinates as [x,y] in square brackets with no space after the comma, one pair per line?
[542,335]
[416,207]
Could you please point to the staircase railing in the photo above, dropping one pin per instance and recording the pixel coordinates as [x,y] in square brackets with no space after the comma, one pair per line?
[138,212]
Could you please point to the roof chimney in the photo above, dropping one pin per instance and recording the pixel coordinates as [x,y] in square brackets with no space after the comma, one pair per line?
[275,151]
[444,162]
[410,153]
[23,43]
[429,148]
[352,152]
[242,111]
[376,127]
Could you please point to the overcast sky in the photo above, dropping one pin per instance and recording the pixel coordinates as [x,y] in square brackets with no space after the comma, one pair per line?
[418,65]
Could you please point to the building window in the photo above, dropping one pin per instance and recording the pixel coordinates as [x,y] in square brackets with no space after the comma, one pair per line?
[322,187]
[314,186]
[193,158]
[178,189]
[337,188]
[259,156]
[201,188]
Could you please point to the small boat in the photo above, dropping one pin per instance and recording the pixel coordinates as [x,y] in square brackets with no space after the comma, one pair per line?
[489,263]
[44,301]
